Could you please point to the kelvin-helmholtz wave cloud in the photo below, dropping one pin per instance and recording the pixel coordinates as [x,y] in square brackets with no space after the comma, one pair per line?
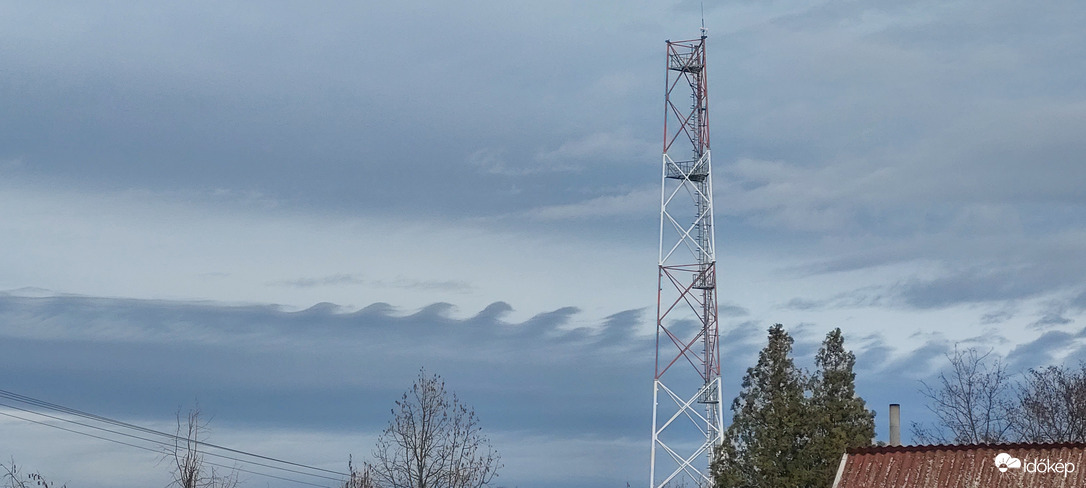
[347,366]
[541,381]
[544,387]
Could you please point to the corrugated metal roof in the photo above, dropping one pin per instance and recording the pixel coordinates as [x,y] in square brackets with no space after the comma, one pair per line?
[964,466]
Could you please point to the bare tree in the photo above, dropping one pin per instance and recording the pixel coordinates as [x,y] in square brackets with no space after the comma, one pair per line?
[10,473]
[359,479]
[190,470]
[1052,405]
[972,402]
[433,441]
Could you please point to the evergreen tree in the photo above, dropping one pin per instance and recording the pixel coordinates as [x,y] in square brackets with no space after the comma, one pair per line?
[788,430]
[840,419]
[764,445]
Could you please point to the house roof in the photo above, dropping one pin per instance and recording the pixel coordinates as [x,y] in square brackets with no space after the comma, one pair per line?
[964,466]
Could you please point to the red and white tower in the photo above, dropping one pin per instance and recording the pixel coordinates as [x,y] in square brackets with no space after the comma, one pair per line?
[687,422]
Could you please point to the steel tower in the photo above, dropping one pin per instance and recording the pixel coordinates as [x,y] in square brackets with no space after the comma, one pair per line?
[687,422]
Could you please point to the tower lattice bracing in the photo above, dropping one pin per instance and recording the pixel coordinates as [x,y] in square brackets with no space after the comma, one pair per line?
[687,422]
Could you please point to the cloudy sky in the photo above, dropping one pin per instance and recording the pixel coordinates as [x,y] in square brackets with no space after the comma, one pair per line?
[284,210]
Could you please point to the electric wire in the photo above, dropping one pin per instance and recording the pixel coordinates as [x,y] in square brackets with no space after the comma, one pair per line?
[60,408]
[6,414]
[145,448]
[165,445]
[168,438]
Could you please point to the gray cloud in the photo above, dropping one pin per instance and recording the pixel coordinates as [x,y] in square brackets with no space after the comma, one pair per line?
[1054,313]
[860,134]
[341,279]
[1040,352]
[863,297]
[987,196]
[221,351]
[1004,285]
[873,355]
[804,304]
[987,339]
[997,317]
[1050,319]
[921,360]
[329,369]
[336,279]
[285,103]
[726,310]
[970,286]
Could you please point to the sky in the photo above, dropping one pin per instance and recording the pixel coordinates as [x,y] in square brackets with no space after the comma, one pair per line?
[283,210]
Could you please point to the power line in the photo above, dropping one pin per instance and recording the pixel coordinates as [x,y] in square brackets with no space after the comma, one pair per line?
[165,445]
[145,448]
[60,408]
[6,414]
[166,442]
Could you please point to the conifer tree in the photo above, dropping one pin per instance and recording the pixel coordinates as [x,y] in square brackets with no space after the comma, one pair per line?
[764,446]
[840,419]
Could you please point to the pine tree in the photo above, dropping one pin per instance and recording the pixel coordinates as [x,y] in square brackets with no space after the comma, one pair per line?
[764,446]
[840,419]
[782,438]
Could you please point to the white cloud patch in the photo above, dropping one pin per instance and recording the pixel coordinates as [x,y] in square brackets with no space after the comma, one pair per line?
[330,280]
[776,194]
[345,279]
[492,160]
[606,149]
[634,204]
[600,148]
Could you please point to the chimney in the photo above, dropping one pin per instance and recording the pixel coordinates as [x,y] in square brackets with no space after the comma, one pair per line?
[895,424]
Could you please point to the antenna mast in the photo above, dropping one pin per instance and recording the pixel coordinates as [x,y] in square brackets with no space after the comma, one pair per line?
[703,30]
[687,421]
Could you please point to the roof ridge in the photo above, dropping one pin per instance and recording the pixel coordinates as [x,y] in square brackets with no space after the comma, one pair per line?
[964,447]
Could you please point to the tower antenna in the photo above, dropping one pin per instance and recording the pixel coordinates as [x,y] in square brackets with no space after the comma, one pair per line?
[687,422]
[704,31]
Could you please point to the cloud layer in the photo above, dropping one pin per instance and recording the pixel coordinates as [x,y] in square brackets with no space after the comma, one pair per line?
[286,210]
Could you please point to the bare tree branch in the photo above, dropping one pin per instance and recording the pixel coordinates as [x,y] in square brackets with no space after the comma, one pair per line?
[359,479]
[433,441]
[189,470]
[971,402]
[1052,405]
[10,474]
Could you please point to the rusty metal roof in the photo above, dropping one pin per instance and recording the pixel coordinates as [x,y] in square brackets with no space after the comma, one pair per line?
[964,466]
